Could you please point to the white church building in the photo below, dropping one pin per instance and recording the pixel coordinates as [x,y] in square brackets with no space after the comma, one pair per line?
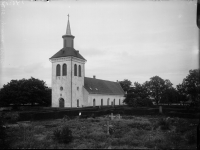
[70,87]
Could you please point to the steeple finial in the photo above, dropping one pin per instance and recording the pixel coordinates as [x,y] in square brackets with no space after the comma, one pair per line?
[68,32]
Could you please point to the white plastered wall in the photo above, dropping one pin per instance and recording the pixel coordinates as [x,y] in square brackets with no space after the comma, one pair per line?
[77,83]
[61,81]
[118,99]
[69,83]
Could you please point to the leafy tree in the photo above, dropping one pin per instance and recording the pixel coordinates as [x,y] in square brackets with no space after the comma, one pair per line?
[129,100]
[156,87]
[190,86]
[168,84]
[138,95]
[126,84]
[169,96]
[133,101]
[139,90]
[182,93]
[25,91]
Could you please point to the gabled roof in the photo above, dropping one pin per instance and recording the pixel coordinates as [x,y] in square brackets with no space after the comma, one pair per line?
[97,86]
[68,51]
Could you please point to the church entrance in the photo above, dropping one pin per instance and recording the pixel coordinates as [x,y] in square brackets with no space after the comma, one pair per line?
[61,103]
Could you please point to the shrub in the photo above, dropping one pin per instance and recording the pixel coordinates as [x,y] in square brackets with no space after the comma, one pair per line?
[175,139]
[145,102]
[163,123]
[191,137]
[111,130]
[149,144]
[11,117]
[3,135]
[139,102]
[181,126]
[144,126]
[63,135]
[97,136]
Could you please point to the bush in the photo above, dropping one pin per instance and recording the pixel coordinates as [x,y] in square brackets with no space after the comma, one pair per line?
[11,117]
[97,136]
[3,135]
[191,137]
[143,126]
[181,126]
[163,123]
[139,102]
[145,102]
[63,135]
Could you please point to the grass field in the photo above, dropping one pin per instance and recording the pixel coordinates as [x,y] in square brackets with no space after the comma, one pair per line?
[126,133]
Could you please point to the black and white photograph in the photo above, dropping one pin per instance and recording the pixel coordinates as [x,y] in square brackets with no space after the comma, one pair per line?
[99,74]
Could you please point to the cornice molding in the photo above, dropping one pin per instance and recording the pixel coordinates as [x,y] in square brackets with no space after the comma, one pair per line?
[69,58]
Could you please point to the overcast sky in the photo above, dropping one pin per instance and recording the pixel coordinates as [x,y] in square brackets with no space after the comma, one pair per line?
[129,39]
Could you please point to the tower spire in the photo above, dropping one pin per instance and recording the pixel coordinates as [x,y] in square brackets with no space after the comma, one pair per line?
[68,32]
[68,38]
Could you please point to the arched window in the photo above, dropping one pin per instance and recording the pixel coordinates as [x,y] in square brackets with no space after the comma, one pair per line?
[58,70]
[79,70]
[93,102]
[75,70]
[64,70]
[119,101]
[101,102]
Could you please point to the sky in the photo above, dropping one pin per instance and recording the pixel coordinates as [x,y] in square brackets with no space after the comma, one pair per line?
[131,39]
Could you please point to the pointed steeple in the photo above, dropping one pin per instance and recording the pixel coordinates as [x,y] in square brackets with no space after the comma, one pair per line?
[68,32]
[68,38]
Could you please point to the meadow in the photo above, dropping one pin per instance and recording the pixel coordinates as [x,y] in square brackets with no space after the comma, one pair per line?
[127,132]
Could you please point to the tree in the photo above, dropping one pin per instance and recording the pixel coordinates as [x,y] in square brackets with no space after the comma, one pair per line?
[138,96]
[25,91]
[182,93]
[168,84]
[190,86]
[169,96]
[139,90]
[156,87]
[133,101]
[126,84]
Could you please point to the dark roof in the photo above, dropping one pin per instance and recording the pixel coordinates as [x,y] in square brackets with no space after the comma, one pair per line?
[68,51]
[97,86]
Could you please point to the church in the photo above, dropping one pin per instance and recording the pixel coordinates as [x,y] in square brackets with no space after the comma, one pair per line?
[70,87]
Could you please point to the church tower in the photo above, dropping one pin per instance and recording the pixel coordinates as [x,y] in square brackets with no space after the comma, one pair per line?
[68,72]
